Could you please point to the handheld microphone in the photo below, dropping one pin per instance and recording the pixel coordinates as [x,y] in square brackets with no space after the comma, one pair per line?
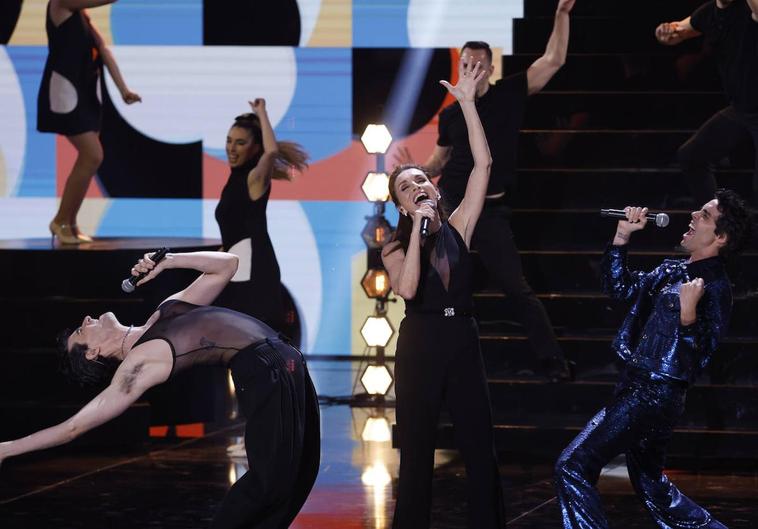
[661,219]
[129,284]
[424,227]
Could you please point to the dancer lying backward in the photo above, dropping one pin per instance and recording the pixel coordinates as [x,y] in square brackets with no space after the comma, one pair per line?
[273,387]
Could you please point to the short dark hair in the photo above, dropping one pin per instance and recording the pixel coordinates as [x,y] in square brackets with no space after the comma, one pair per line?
[734,221]
[78,369]
[478,45]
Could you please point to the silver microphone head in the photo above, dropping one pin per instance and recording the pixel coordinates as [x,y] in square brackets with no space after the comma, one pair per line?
[127,286]
[661,220]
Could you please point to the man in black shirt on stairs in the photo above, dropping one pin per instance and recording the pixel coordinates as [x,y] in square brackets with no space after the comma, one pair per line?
[731,27]
[501,108]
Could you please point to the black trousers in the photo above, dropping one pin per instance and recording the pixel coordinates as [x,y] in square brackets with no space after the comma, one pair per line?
[493,239]
[438,362]
[715,139]
[282,438]
[638,422]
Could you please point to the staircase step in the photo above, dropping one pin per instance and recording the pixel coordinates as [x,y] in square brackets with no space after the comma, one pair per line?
[631,34]
[581,188]
[611,148]
[631,72]
[621,110]
[510,355]
[573,313]
[549,442]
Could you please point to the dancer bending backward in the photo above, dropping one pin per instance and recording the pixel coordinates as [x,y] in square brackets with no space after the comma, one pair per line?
[680,311]
[438,356]
[273,387]
[69,104]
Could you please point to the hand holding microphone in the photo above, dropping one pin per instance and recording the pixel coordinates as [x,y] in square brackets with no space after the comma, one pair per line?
[424,215]
[143,269]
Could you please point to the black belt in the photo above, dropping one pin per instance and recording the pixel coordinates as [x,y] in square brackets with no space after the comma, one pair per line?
[447,312]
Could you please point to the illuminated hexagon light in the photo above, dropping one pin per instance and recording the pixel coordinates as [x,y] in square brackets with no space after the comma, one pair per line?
[377,380]
[377,232]
[377,331]
[376,187]
[376,283]
[377,429]
[376,139]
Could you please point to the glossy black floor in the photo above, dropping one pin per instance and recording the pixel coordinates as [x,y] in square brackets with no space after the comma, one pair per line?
[177,484]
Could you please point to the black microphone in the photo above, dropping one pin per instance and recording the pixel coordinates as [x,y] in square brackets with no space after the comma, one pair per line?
[661,219]
[128,285]
[424,231]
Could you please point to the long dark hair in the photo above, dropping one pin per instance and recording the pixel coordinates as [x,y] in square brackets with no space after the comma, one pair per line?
[405,223]
[291,155]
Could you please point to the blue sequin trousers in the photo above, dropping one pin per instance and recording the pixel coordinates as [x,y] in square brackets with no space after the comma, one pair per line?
[637,422]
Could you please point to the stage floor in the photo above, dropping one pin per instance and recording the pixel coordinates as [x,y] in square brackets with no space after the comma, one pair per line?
[177,484]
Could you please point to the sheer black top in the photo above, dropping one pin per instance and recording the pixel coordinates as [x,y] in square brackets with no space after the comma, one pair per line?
[445,279]
[203,334]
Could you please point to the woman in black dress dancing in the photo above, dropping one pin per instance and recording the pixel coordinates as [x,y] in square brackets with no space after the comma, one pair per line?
[438,358]
[255,158]
[272,384]
[68,102]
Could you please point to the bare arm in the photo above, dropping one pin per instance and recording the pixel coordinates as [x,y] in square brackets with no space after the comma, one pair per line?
[130,381]
[753,4]
[217,269]
[673,33]
[404,268]
[437,160]
[466,215]
[544,68]
[259,177]
[109,61]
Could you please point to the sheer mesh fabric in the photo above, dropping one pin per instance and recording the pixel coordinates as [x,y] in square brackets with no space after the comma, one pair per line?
[203,334]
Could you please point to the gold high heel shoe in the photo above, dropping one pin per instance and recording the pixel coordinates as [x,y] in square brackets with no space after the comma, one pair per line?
[64,233]
[79,235]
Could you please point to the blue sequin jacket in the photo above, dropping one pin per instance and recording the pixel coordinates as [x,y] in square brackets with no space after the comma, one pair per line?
[652,337]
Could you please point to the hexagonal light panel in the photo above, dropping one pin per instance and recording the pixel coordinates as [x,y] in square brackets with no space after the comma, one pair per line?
[376,139]
[377,232]
[376,283]
[377,380]
[376,187]
[377,331]
[377,429]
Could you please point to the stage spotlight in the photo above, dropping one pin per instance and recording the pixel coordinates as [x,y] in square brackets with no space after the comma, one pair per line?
[376,283]
[377,379]
[377,429]
[376,139]
[377,232]
[376,187]
[377,331]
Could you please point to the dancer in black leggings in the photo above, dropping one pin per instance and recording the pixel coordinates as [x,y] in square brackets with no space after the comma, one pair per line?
[731,27]
[274,390]
[438,356]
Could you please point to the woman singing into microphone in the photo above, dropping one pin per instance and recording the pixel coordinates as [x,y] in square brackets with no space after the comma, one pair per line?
[438,355]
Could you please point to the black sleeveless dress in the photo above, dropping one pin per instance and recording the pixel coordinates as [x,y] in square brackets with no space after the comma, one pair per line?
[240,218]
[68,102]
[275,395]
[438,364]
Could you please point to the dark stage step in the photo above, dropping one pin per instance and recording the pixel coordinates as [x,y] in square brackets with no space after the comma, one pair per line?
[621,110]
[658,188]
[633,34]
[626,72]
[612,148]
[669,10]
[509,355]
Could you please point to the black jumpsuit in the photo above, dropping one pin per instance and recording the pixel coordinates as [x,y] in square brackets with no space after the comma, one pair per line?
[276,396]
[68,101]
[239,218]
[438,361]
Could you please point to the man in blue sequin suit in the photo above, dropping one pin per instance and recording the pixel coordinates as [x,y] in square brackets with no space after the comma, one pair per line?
[680,311]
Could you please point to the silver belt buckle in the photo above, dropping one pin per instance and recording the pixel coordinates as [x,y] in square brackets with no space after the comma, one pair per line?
[448,312]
